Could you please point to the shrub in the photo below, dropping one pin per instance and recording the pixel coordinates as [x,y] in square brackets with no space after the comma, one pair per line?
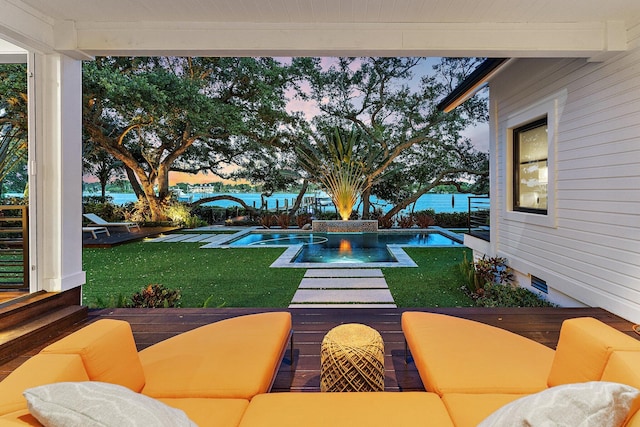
[496,295]
[283,220]
[452,219]
[493,270]
[405,221]
[326,215]
[468,270]
[180,214]
[110,301]
[489,282]
[209,214]
[266,221]
[303,220]
[104,209]
[424,220]
[138,211]
[384,222]
[156,296]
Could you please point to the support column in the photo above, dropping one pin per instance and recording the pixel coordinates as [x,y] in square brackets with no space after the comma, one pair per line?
[57,133]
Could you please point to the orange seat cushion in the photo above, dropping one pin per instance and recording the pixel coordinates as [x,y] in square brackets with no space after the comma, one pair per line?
[19,418]
[468,410]
[108,352]
[622,367]
[374,409]
[39,370]
[456,355]
[233,358]
[211,412]
[584,348]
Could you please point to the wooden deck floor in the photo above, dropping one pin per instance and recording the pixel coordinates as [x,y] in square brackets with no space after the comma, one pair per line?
[120,235]
[310,325]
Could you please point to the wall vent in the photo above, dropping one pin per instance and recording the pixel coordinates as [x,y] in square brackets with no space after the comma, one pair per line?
[539,284]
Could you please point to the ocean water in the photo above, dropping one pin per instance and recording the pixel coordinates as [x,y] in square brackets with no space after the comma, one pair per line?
[437,202]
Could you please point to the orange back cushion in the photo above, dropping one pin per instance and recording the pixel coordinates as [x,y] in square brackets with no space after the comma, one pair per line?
[108,352]
[583,350]
[624,367]
[39,370]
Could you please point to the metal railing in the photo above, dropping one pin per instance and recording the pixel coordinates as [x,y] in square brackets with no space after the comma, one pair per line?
[14,247]
[479,217]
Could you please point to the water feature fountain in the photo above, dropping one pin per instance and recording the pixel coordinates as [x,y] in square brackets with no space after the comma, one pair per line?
[345,226]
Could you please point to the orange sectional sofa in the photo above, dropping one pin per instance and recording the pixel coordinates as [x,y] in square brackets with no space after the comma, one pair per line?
[220,374]
[477,369]
[210,372]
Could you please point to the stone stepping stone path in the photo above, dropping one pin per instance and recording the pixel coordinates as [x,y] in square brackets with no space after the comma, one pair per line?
[341,288]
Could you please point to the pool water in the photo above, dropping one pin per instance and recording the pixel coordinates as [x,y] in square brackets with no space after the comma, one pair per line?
[345,247]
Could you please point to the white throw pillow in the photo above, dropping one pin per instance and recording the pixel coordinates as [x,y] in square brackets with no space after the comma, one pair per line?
[92,403]
[595,403]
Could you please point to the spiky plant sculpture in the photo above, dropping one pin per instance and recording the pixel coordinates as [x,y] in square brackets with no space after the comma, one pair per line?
[333,165]
[345,185]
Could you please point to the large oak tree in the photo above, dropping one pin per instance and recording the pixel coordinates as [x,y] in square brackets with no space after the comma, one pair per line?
[157,115]
[408,146]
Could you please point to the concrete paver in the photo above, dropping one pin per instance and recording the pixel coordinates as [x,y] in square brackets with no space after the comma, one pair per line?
[343,296]
[343,283]
[344,272]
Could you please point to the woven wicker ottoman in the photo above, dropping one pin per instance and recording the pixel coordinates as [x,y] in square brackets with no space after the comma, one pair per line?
[352,359]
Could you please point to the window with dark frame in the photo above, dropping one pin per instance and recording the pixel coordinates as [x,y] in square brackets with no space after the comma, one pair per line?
[530,163]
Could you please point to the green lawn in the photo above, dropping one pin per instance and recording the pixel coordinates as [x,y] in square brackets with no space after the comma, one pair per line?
[435,283]
[235,277]
[242,277]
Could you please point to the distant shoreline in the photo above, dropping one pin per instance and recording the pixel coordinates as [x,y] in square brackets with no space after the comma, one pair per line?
[439,202]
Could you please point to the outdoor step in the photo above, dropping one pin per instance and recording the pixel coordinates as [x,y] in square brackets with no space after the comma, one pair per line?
[161,238]
[344,272]
[195,238]
[15,312]
[373,305]
[342,296]
[173,238]
[343,283]
[216,238]
[36,331]
[224,237]
[219,238]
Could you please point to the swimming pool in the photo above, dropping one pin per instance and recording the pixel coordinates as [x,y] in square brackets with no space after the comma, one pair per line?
[334,239]
[362,249]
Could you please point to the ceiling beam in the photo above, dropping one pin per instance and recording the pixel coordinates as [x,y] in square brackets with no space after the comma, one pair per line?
[246,39]
[26,27]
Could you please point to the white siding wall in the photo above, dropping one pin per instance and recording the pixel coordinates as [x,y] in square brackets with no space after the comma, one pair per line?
[590,248]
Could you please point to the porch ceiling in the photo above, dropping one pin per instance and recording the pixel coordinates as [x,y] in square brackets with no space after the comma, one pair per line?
[339,11]
[498,28]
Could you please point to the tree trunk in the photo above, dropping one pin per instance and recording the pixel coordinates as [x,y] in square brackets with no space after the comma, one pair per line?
[133,180]
[163,182]
[406,202]
[155,203]
[298,202]
[241,202]
[366,203]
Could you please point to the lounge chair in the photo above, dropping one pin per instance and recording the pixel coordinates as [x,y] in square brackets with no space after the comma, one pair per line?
[95,231]
[101,222]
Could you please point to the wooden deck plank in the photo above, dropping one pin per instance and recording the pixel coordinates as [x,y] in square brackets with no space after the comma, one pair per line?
[310,326]
[120,235]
